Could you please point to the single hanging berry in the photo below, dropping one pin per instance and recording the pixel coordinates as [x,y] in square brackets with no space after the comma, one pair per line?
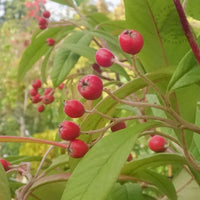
[157,143]
[104,57]
[131,41]
[90,87]
[74,108]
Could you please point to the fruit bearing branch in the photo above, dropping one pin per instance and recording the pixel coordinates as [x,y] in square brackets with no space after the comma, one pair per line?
[187,30]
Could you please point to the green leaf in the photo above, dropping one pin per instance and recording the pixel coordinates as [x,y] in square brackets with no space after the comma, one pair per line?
[127,191]
[193,8]
[69,2]
[105,158]
[160,181]
[65,59]
[38,48]
[159,25]
[4,186]
[152,161]
[186,73]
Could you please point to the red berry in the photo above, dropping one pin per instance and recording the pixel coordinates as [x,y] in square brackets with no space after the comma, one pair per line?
[46,14]
[36,99]
[5,164]
[37,83]
[104,57]
[40,108]
[130,157]
[50,41]
[48,91]
[90,87]
[47,99]
[43,26]
[69,130]
[131,41]
[97,68]
[42,21]
[33,92]
[118,126]
[61,86]
[74,108]
[77,148]
[157,143]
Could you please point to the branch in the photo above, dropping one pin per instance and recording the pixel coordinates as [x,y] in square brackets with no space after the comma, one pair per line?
[187,30]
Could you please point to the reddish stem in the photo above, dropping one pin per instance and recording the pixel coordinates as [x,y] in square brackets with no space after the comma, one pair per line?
[30,140]
[187,30]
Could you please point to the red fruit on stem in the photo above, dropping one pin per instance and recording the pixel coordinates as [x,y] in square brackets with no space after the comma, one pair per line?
[33,92]
[77,148]
[36,99]
[42,21]
[37,84]
[5,164]
[61,86]
[104,57]
[48,91]
[157,143]
[90,87]
[118,126]
[69,130]
[46,14]
[74,108]
[131,41]
[44,26]
[40,108]
[50,41]
[47,99]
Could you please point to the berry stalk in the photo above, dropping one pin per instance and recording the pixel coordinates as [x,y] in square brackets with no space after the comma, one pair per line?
[187,30]
[31,140]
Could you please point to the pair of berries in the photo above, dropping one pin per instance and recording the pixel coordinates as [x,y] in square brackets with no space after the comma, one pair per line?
[69,131]
[131,42]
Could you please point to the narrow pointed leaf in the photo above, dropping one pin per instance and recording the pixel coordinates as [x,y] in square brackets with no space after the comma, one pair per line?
[96,173]
[65,59]
[4,186]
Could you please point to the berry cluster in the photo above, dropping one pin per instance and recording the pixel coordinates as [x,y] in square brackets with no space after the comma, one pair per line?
[46,98]
[69,130]
[43,22]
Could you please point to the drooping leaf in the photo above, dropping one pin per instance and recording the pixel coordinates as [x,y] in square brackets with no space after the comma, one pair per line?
[160,181]
[102,164]
[68,2]
[127,191]
[38,48]
[65,59]
[152,161]
[4,186]
[160,27]
[186,73]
